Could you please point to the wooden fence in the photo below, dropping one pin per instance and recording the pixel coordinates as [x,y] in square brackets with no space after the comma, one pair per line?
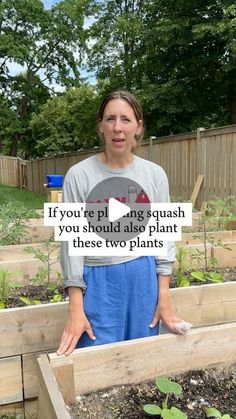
[211,153]
[13,171]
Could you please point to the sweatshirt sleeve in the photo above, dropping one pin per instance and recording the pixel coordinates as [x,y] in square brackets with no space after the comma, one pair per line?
[72,266]
[165,264]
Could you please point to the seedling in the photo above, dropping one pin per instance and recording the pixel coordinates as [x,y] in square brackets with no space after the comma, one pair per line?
[167,387]
[211,412]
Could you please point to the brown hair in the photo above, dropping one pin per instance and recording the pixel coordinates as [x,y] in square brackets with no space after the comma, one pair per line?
[132,101]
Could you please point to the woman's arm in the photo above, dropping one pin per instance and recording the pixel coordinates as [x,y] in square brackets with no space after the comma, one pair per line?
[76,324]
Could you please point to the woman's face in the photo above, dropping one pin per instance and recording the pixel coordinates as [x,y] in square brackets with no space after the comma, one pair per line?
[119,126]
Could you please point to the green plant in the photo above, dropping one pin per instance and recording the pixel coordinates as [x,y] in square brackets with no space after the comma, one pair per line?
[181,255]
[167,387]
[5,286]
[207,238]
[29,302]
[203,276]
[218,212]
[13,227]
[211,412]
[44,273]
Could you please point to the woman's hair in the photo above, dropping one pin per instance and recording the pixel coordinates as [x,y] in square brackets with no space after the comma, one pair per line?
[132,101]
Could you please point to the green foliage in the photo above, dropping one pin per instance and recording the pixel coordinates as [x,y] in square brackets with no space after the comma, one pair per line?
[172,55]
[167,387]
[181,256]
[5,286]
[66,123]
[13,216]
[207,276]
[44,255]
[218,213]
[211,412]
[215,215]
[29,302]
[40,40]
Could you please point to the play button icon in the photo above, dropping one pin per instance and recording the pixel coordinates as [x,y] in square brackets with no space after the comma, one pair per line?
[116,210]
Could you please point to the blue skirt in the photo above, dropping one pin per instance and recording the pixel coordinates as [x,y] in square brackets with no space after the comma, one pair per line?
[120,301]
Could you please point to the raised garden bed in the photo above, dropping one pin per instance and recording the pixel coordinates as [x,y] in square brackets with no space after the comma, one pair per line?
[14,259]
[92,369]
[28,331]
[201,389]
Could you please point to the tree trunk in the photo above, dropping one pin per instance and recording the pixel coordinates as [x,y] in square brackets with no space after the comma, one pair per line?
[14,144]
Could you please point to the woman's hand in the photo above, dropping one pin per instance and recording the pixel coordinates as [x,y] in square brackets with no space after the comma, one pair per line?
[165,312]
[77,324]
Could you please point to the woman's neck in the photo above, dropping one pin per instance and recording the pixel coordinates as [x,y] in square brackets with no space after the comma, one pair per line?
[114,161]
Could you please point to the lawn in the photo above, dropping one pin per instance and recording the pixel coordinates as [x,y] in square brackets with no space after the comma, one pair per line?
[31,200]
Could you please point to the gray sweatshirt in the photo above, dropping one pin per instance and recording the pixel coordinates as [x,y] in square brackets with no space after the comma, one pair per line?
[81,179]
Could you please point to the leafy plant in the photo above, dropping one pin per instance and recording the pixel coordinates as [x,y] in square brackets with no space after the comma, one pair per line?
[219,212]
[181,255]
[211,412]
[13,227]
[207,276]
[44,255]
[5,286]
[167,387]
[29,302]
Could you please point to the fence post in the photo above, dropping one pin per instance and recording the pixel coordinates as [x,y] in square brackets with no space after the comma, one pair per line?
[200,165]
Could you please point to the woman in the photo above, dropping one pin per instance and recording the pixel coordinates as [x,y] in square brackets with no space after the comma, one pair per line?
[118,298]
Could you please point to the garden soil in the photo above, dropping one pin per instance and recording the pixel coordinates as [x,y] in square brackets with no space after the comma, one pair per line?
[201,389]
[42,294]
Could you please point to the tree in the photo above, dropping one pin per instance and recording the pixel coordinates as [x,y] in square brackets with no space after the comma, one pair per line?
[66,123]
[190,63]
[46,43]
[177,56]
[117,35]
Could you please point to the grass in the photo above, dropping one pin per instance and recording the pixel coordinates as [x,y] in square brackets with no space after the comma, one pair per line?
[31,200]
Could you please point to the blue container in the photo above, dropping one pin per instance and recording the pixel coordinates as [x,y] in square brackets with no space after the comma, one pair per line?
[54,181]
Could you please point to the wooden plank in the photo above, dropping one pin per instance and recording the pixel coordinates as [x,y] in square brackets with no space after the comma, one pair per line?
[206,305]
[32,328]
[225,257]
[50,404]
[143,359]
[39,328]
[196,189]
[55,196]
[10,380]
[65,379]
[27,268]
[31,409]
[30,374]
